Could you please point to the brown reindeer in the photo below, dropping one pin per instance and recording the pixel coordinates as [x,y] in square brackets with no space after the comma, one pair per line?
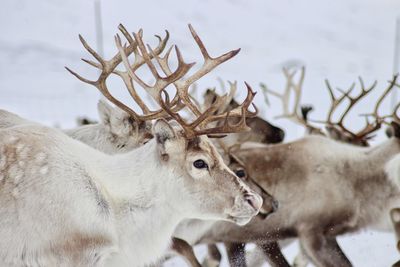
[299,115]
[331,172]
[335,130]
[338,176]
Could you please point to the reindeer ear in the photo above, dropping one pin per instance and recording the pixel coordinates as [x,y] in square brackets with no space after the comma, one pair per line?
[105,111]
[396,129]
[163,131]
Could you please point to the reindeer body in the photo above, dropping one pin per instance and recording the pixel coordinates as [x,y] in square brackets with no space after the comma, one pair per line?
[9,119]
[324,189]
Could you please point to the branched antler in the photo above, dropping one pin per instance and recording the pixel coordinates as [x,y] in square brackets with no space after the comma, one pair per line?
[394,116]
[363,135]
[294,113]
[108,67]
[157,91]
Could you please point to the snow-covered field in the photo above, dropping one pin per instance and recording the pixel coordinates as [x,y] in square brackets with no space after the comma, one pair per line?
[339,40]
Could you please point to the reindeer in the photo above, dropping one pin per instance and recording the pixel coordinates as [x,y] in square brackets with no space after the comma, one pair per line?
[66,204]
[298,169]
[285,171]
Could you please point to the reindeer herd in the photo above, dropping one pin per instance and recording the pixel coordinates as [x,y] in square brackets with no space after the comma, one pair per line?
[138,188]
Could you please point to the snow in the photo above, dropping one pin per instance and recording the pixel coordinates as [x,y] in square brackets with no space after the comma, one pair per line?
[339,40]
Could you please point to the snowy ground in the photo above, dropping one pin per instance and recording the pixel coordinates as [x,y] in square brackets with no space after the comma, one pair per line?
[338,40]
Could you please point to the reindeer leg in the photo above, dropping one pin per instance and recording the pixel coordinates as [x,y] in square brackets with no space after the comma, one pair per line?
[323,251]
[301,259]
[186,251]
[236,254]
[214,256]
[274,254]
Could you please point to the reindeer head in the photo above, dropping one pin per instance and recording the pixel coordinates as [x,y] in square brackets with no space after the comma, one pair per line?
[200,177]
[207,185]
[270,204]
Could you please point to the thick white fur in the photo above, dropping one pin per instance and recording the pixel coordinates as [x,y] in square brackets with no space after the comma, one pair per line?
[393,170]
[61,195]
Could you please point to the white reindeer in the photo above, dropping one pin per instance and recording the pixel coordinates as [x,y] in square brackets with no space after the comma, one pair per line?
[66,204]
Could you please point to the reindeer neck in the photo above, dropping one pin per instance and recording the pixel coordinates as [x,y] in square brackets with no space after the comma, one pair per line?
[145,202]
[382,153]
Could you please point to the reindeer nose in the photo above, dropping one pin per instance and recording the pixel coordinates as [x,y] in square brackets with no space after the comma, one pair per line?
[255,201]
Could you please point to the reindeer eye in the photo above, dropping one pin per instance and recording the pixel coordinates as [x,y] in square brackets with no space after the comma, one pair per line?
[200,164]
[240,173]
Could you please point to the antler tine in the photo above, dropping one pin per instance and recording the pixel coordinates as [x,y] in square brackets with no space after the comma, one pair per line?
[182,90]
[116,60]
[227,97]
[285,95]
[335,102]
[392,84]
[161,82]
[206,117]
[139,60]
[363,134]
[238,112]
[375,114]
[298,90]
[107,67]
[209,62]
[354,100]
[182,86]
[132,76]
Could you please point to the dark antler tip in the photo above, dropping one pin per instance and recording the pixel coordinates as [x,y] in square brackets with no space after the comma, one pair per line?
[249,88]
[236,51]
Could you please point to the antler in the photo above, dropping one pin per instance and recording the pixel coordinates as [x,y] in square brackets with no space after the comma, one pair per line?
[109,66]
[365,133]
[211,96]
[375,114]
[210,63]
[352,101]
[199,125]
[207,117]
[294,114]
